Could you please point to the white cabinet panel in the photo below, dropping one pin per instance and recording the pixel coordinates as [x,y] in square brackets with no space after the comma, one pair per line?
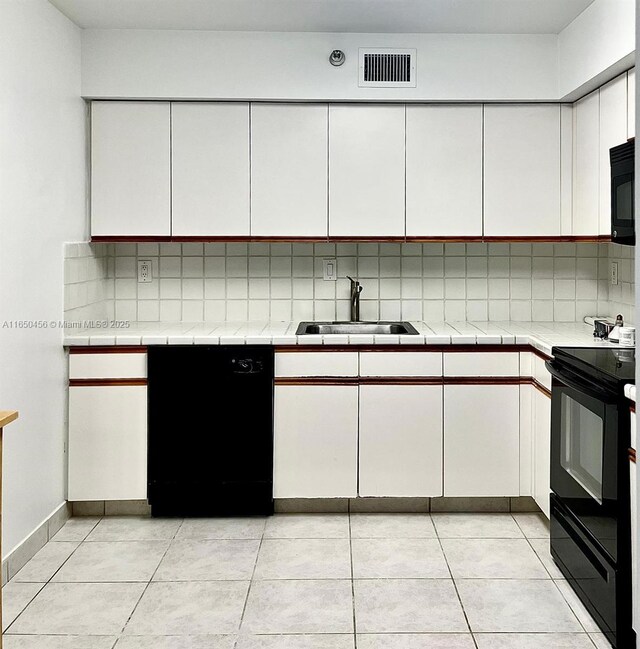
[542,451]
[400,440]
[522,170]
[613,131]
[130,168]
[566,169]
[108,366]
[400,364]
[481,364]
[586,165]
[107,443]
[526,439]
[316,441]
[481,454]
[366,170]
[444,170]
[540,372]
[316,364]
[210,169]
[631,103]
[289,172]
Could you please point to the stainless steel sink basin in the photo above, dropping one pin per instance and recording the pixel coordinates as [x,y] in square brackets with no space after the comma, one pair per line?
[305,328]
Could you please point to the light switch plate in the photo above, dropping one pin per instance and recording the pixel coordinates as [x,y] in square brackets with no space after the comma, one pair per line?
[614,273]
[329,270]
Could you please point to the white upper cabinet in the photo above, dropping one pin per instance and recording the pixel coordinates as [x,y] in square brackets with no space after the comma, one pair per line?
[586,167]
[631,103]
[366,170]
[289,171]
[522,170]
[210,169]
[613,131]
[444,170]
[130,168]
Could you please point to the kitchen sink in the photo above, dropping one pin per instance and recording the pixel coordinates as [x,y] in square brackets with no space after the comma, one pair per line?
[306,328]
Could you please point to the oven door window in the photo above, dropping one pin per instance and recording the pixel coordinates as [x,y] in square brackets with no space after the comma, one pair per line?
[581,446]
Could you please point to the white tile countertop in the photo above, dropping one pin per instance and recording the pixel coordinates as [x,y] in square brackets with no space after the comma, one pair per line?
[541,335]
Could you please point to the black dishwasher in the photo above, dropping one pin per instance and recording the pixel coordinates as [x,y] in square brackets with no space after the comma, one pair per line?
[210,430]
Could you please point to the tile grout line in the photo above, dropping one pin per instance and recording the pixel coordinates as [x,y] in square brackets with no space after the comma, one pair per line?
[251,580]
[455,586]
[144,590]
[353,585]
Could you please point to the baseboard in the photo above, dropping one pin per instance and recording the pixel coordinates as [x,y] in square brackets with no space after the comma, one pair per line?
[34,542]
[404,505]
[110,508]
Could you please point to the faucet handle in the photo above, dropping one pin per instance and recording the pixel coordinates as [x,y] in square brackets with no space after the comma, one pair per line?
[353,281]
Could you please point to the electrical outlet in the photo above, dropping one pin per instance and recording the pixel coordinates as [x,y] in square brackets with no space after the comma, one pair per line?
[329,270]
[144,271]
[614,273]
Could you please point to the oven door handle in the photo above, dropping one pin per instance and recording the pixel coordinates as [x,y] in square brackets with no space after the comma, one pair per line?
[575,382]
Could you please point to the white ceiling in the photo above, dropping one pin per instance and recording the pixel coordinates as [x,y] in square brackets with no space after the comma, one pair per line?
[366,16]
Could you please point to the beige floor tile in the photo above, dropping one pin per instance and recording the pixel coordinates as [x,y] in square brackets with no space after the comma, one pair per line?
[515,606]
[300,641]
[493,559]
[304,559]
[533,641]
[46,562]
[189,608]
[134,528]
[307,526]
[222,528]
[58,642]
[408,606]
[304,606]
[416,641]
[534,526]
[113,561]
[392,526]
[76,529]
[398,559]
[476,526]
[79,609]
[15,597]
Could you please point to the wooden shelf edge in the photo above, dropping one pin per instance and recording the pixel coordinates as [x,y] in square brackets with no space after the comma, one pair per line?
[398,239]
[7,416]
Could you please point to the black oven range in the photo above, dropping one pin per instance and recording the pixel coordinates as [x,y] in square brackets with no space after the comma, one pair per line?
[590,499]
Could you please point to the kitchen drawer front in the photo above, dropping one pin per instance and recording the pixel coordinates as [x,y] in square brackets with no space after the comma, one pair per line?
[481,364]
[540,373]
[108,366]
[400,364]
[292,364]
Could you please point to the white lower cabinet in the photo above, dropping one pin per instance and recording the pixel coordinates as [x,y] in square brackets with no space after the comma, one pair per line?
[316,441]
[400,446]
[107,442]
[542,451]
[481,440]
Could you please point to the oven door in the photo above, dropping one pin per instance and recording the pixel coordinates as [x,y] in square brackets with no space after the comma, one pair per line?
[584,466]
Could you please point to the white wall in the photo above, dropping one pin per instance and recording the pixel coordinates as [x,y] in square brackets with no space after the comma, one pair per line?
[42,204]
[595,47]
[290,66]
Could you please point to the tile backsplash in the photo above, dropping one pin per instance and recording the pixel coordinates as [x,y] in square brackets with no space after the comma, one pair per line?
[432,281]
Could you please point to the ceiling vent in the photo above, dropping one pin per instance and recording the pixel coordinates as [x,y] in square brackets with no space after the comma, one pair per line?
[387,68]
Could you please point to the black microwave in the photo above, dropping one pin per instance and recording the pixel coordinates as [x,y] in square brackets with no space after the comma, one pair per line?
[622,193]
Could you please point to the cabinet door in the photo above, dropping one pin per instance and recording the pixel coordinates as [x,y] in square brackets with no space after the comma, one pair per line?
[130,168]
[444,171]
[542,451]
[613,131]
[289,172]
[107,443]
[522,170]
[631,103]
[210,169]
[316,441]
[400,440]
[366,170]
[481,454]
[586,167]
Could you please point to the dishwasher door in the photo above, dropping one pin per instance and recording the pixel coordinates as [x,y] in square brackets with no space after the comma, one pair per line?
[210,430]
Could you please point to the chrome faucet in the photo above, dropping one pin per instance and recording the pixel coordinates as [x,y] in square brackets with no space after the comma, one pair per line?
[356,289]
